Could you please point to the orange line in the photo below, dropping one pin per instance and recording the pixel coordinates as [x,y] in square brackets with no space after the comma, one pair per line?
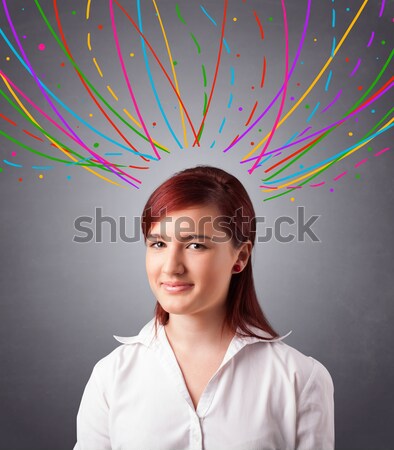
[33,135]
[8,120]
[263,74]
[259,24]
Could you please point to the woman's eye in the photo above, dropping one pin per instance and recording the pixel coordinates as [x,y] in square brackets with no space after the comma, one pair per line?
[156,243]
[199,246]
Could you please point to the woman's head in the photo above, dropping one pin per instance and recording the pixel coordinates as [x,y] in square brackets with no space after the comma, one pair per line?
[210,203]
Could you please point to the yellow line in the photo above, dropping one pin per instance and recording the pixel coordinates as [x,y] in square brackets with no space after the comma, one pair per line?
[314,81]
[132,118]
[173,73]
[112,93]
[293,182]
[88,10]
[98,67]
[51,140]
[89,46]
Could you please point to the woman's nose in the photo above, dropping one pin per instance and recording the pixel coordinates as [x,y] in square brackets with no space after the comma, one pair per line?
[173,262]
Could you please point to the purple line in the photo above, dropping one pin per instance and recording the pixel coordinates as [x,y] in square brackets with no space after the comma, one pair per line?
[382,151]
[371,39]
[356,67]
[340,175]
[306,129]
[49,100]
[382,8]
[361,162]
[281,89]
[334,101]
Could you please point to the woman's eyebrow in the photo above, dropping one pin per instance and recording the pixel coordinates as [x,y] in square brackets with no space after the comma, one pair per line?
[180,238]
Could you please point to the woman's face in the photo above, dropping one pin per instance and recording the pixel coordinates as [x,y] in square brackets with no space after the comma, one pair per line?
[190,274]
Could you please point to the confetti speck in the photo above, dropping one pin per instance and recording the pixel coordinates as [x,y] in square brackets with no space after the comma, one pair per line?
[41,47]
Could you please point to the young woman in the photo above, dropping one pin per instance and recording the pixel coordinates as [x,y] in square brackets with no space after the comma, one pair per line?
[208,372]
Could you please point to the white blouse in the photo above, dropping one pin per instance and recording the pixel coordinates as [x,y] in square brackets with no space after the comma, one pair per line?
[265,395]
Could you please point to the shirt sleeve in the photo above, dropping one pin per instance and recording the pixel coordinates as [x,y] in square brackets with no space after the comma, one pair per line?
[92,417]
[315,418]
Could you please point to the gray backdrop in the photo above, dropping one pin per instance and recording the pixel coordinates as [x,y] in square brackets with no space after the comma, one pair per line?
[62,301]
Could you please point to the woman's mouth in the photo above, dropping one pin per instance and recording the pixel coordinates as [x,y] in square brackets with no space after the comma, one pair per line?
[177,287]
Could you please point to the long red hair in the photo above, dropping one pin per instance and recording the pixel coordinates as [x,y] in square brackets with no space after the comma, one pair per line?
[207,185]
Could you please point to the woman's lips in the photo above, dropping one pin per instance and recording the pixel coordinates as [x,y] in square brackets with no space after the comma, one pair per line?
[179,288]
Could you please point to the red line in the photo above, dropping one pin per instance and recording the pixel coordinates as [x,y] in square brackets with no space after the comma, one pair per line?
[8,120]
[33,135]
[232,142]
[263,74]
[259,24]
[251,114]
[216,72]
[161,66]
[87,87]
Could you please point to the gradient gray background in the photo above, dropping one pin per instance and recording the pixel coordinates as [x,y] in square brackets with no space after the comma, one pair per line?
[61,302]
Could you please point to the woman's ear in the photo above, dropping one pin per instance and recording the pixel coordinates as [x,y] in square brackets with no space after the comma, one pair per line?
[244,253]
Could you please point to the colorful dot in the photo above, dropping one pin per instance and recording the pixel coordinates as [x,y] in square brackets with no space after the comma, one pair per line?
[307,106]
[360,88]
[260,130]
[252,143]
[20,179]
[96,144]
[301,166]
[240,108]
[73,12]
[314,39]
[234,19]
[100,27]
[270,19]
[58,86]
[252,88]
[41,47]
[298,84]
[62,64]
[13,154]
[132,55]
[68,177]
[369,149]
[383,42]
[347,59]
[347,9]
[41,176]
[24,37]
[331,189]
[292,199]
[358,176]
[237,55]
[90,115]
[175,63]
[373,111]
[350,133]
[292,99]
[154,124]
[8,58]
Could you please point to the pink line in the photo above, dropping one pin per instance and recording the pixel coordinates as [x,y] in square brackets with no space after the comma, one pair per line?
[382,151]
[371,39]
[317,185]
[356,67]
[282,104]
[128,81]
[340,175]
[294,187]
[361,162]
[382,8]
[268,187]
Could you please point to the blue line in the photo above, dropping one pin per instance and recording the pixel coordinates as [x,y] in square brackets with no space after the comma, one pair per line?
[113,154]
[313,112]
[292,138]
[213,143]
[230,101]
[328,81]
[151,77]
[73,163]
[209,17]
[42,167]
[80,119]
[333,18]
[12,164]
[333,46]
[232,75]
[222,125]
[332,157]
[226,45]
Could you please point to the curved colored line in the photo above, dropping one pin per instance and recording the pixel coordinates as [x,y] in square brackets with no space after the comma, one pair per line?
[317,78]
[216,73]
[286,80]
[129,87]
[173,73]
[259,25]
[273,101]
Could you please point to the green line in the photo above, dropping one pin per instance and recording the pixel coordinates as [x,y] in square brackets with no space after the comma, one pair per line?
[86,79]
[195,41]
[204,75]
[200,133]
[205,103]
[352,108]
[376,126]
[178,12]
